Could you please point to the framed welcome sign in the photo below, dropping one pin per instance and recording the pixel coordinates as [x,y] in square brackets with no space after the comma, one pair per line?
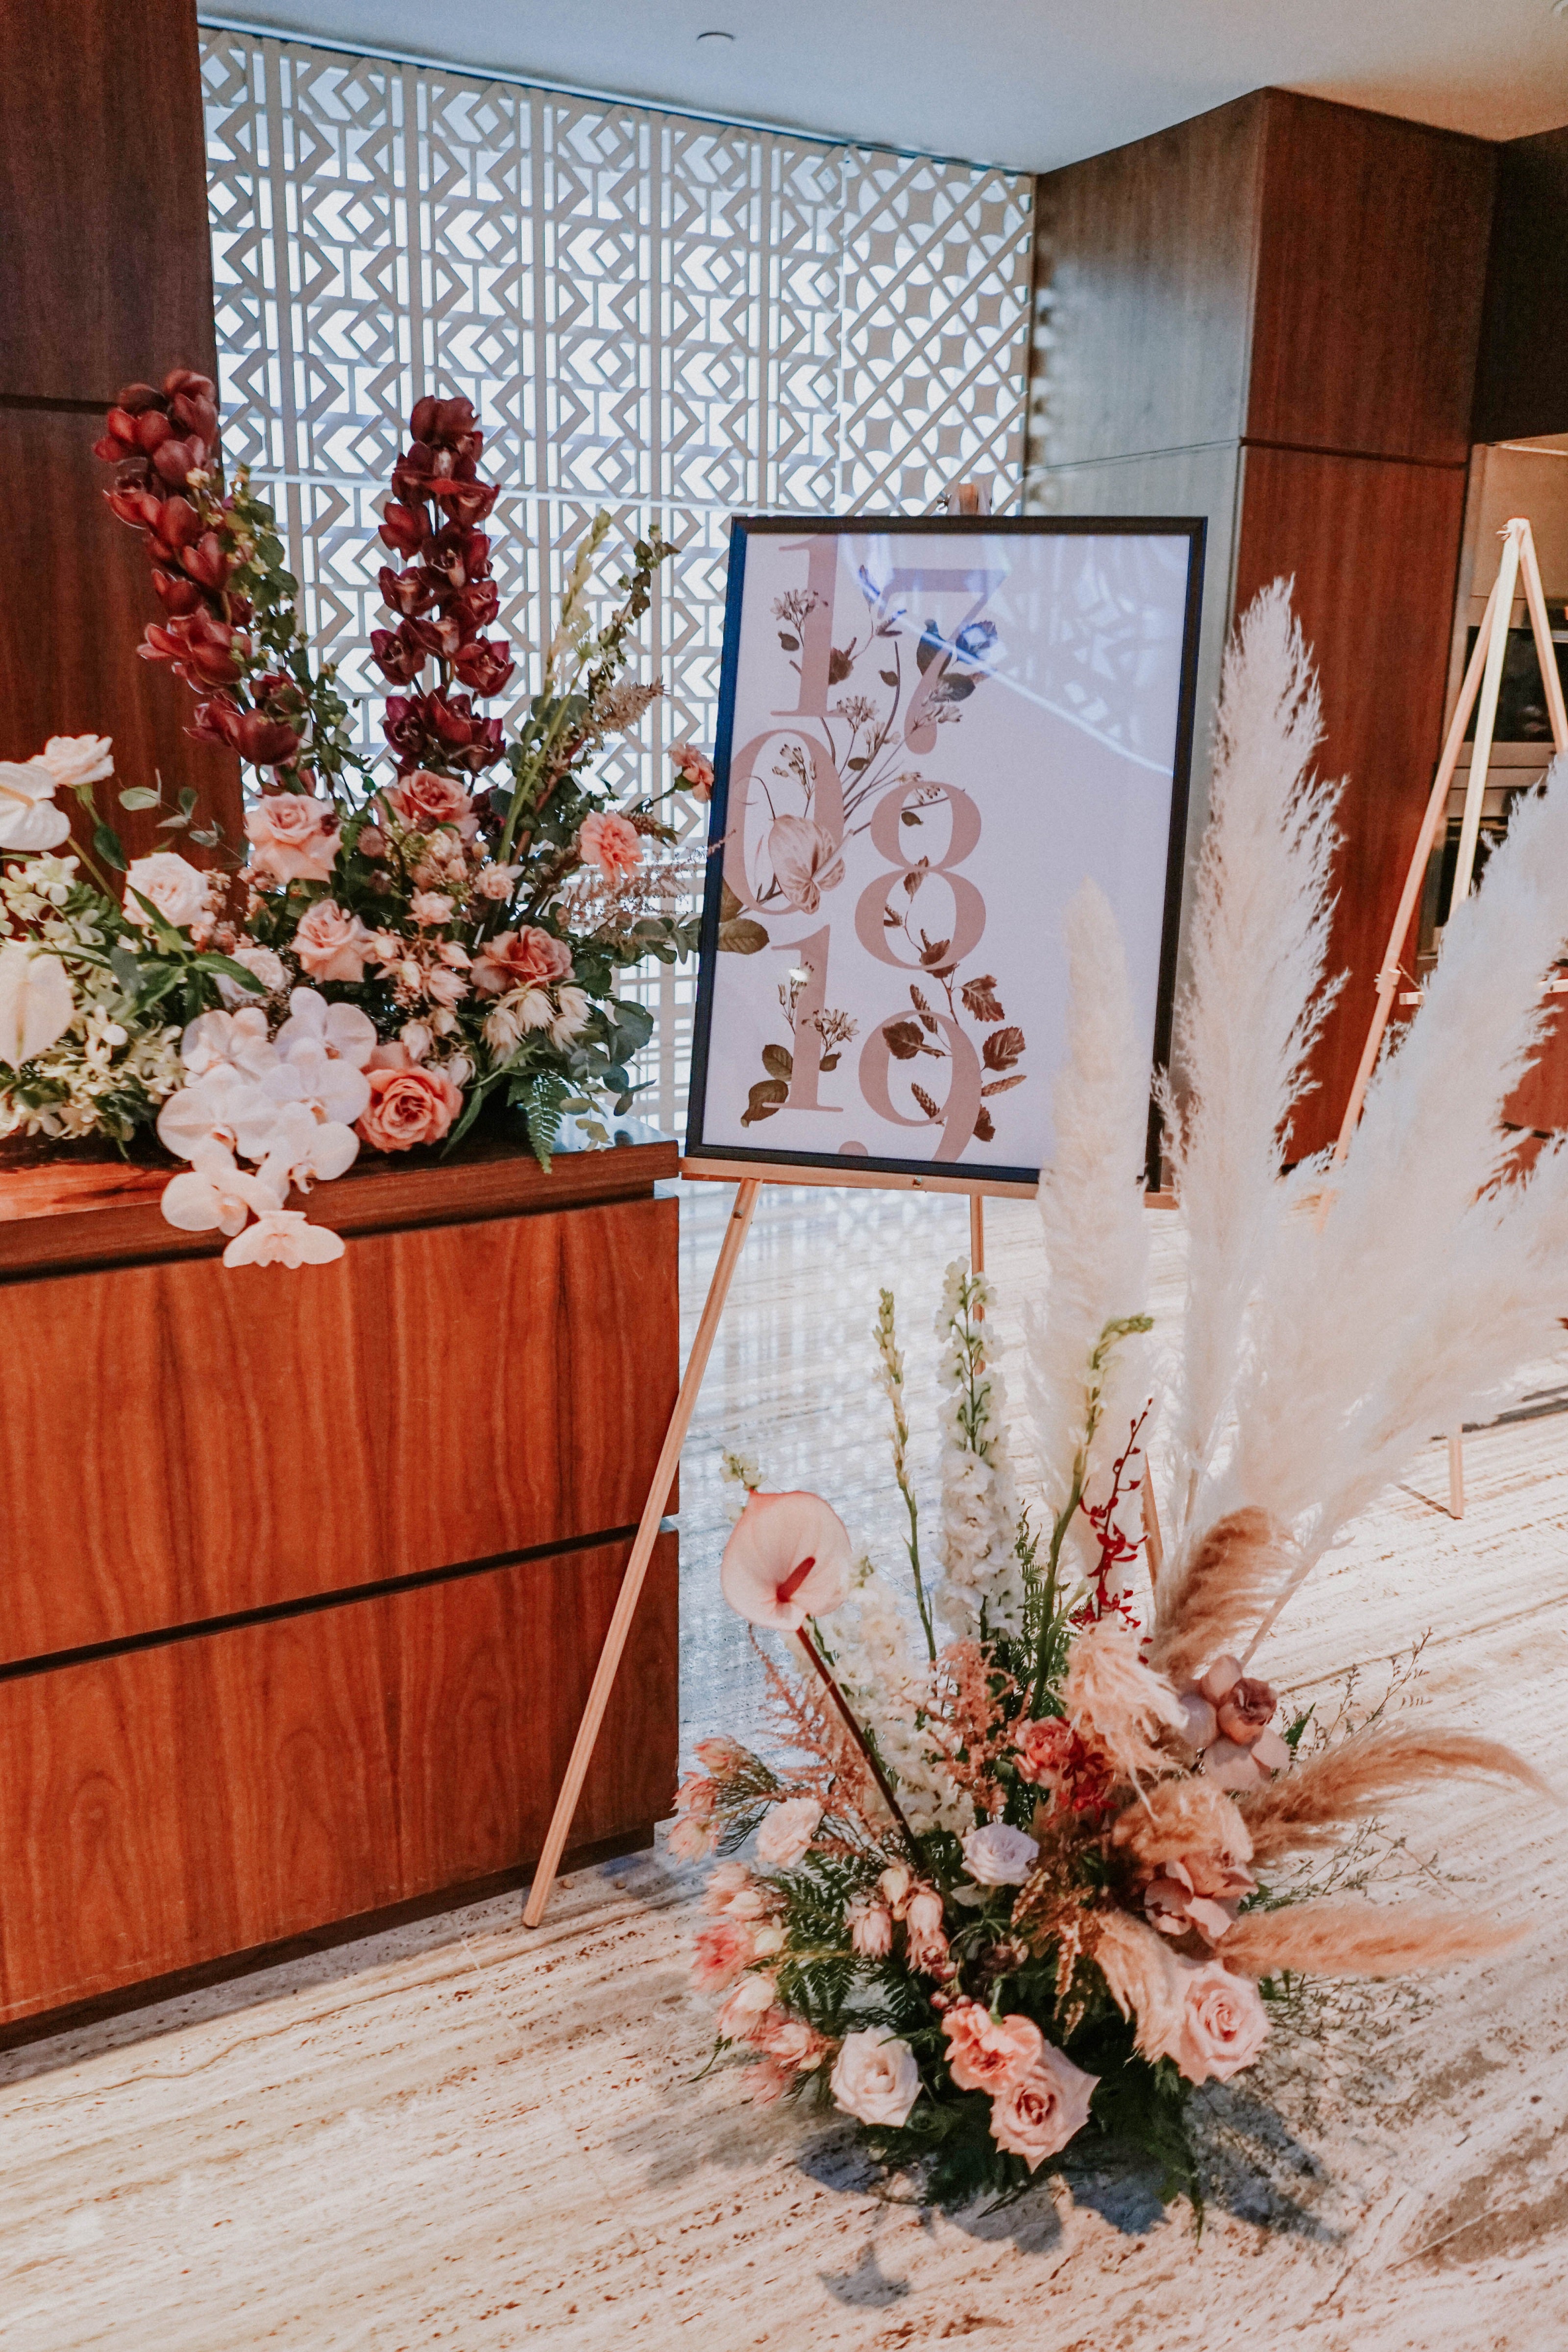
[929,731]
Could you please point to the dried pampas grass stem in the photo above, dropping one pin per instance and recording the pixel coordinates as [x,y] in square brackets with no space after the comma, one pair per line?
[1205,1605]
[1357,1939]
[1312,1805]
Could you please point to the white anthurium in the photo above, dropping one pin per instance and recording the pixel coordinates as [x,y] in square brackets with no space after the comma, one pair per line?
[214,1195]
[283,1237]
[28,817]
[35,1003]
[328,1087]
[228,1041]
[341,1031]
[303,1148]
[223,1106]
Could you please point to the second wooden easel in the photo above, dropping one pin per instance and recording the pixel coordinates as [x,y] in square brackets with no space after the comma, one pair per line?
[1517,573]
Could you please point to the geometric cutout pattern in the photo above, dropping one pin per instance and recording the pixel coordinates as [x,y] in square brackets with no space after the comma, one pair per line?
[677,320]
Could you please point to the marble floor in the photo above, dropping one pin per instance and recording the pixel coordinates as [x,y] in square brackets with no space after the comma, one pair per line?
[458,2135]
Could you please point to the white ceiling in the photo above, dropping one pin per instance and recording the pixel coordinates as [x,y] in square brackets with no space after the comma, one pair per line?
[1031,83]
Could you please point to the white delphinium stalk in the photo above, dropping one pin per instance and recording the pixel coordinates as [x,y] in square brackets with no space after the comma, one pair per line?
[1248,1013]
[890,1694]
[891,1380]
[981,1586]
[1091,1206]
[741,1478]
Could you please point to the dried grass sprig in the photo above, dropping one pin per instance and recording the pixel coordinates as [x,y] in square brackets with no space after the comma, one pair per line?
[1357,1939]
[1213,1595]
[1111,1698]
[1309,1807]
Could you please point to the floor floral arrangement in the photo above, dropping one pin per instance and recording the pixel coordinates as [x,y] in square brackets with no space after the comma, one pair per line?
[1037,1854]
[386,954]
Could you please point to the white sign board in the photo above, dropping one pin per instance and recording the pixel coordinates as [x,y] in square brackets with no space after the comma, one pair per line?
[929,733]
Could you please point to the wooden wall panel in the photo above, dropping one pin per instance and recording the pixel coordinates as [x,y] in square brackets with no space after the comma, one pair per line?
[1371,261]
[71,618]
[105,263]
[1372,547]
[1521,388]
[453,1393]
[105,276]
[171,1805]
[1149,255]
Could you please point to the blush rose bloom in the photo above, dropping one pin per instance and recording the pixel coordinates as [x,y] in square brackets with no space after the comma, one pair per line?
[1223,2023]
[423,802]
[788,1558]
[526,959]
[787,1831]
[1040,2111]
[875,2077]
[611,842]
[409,1106]
[294,836]
[332,944]
[989,2053]
[169,882]
[997,1855]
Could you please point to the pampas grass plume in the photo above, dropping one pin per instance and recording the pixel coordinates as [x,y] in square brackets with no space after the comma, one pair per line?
[1215,1591]
[1357,1939]
[1322,1796]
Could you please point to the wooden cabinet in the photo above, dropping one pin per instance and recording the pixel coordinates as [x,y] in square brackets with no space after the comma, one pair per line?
[303,1576]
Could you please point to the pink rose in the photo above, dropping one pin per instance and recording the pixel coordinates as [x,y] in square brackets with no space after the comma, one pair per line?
[989,2053]
[611,842]
[1045,1746]
[423,802]
[1039,2112]
[409,1106]
[721,1950]
[295,836]
[1223,2024]
[495,881]
[332,944]
[525,958]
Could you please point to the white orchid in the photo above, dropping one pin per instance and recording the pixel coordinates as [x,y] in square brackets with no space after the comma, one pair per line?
[329,1089]
[232,1041]
[28,817]
[36,1005]
[301,1148]
[341,1031]
[284,1237]
[215,1194]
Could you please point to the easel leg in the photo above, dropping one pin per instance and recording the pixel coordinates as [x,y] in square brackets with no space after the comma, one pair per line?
[976,1233]
[1457,1475]
[642,1552]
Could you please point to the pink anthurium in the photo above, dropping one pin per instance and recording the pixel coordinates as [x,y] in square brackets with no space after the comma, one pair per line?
[787,1559]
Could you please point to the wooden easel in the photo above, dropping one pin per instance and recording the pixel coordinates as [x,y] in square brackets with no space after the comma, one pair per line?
[1517,572]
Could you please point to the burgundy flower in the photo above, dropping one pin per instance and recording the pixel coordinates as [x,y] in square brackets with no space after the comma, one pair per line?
[417,472]
[407,591]
[419,726]
[397,653]
[192,403]
[446,424]
[404,528]
[177,595]
[207,563]
[135,397]
[265,743]
[178,526]
[175,461]
[466,502]
[139,507]
[486,664]
[459,554]
[204,650]
[477,606]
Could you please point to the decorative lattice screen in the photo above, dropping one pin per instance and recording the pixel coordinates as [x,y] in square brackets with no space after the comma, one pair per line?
[664,317]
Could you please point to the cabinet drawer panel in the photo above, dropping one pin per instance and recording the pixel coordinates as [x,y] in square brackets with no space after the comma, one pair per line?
[179,1442]
[171,1805]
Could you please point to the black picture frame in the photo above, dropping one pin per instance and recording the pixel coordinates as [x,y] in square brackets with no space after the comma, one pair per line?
[747,1159]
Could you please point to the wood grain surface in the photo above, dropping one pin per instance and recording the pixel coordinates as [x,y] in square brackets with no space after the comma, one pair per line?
[1371,548]
[168,1805]
[181,1442]
[1372,255]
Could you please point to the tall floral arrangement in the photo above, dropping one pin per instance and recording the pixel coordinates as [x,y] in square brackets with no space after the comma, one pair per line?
[396,943]
[1030,1878]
